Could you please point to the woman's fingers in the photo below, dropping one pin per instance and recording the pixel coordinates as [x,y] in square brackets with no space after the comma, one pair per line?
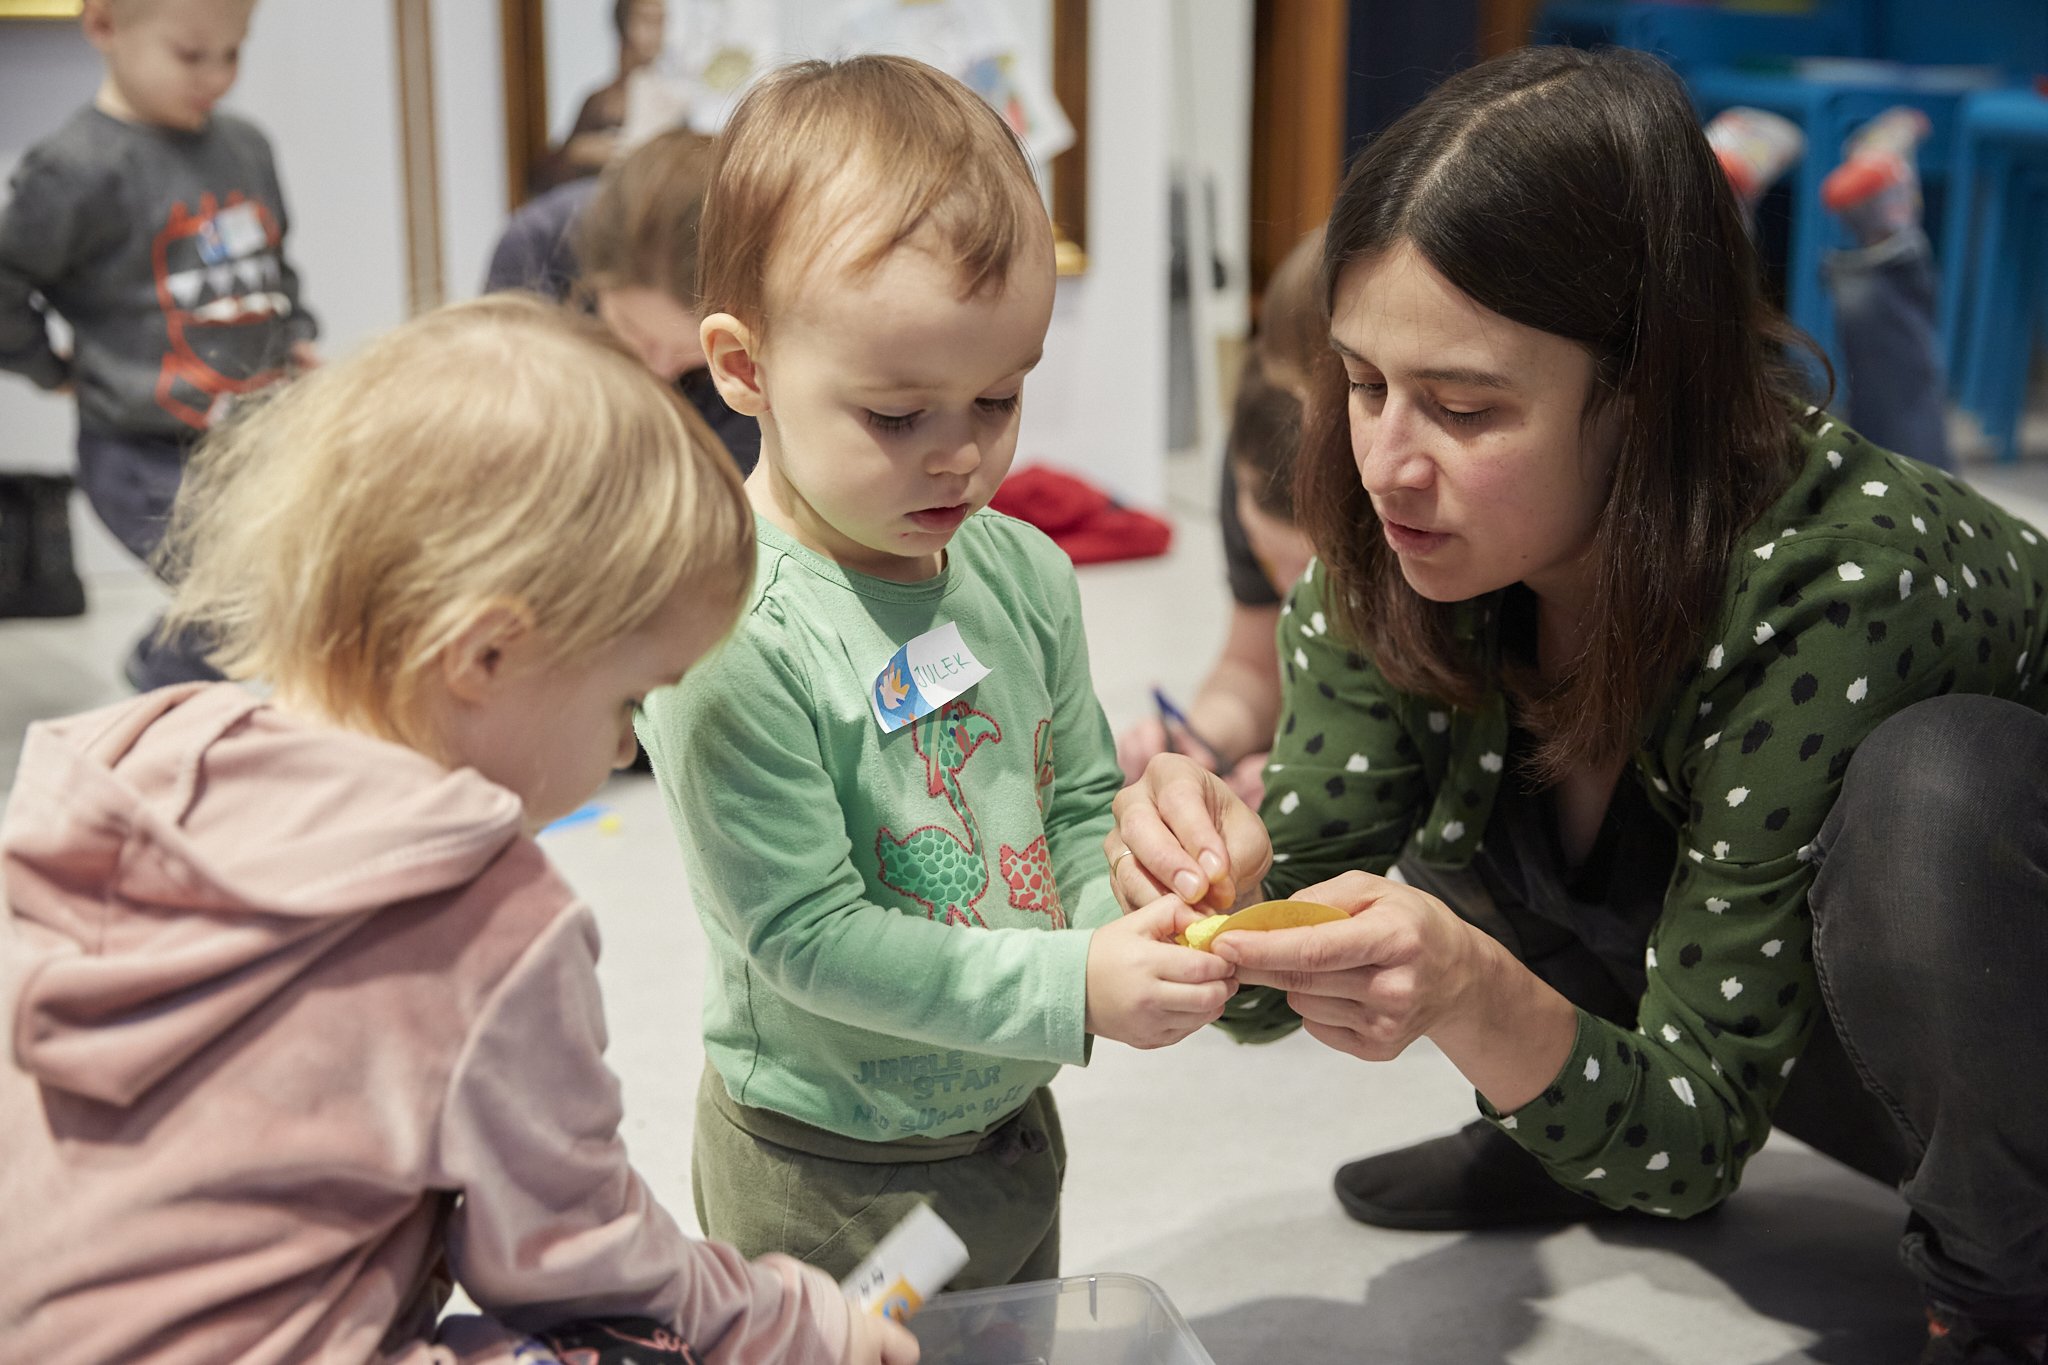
[1229,847]
[1163,850]
[1133,886]
[1247,848]
[1298,958]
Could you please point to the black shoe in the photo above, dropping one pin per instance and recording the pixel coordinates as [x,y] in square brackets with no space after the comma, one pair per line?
[1477,1177]
[1955,1340]
[37,577]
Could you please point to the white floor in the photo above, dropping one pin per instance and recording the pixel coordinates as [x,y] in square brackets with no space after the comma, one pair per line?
[1206,1167]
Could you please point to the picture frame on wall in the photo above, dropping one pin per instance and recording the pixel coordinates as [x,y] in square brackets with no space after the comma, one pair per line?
[525,27]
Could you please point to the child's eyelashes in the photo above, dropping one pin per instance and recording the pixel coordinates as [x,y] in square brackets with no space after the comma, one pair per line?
[897,423]
[892,422]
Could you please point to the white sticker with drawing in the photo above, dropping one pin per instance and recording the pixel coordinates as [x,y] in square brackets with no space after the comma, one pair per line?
[922,676]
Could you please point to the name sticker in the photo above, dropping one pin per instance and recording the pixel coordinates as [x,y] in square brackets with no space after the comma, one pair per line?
[240,232]
[922,676]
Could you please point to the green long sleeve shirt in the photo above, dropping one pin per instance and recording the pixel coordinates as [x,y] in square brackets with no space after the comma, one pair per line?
[1872,583]
[898,922]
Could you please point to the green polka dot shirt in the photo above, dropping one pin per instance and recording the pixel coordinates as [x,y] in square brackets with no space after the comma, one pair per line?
[1872,583]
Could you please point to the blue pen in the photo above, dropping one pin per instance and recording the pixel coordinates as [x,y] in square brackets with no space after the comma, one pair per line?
[1173,715]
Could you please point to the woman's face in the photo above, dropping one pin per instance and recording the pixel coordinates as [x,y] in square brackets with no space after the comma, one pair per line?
[660,330]
[1468,434]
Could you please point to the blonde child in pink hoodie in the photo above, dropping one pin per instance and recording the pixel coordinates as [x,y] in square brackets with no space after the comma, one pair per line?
[301,1025]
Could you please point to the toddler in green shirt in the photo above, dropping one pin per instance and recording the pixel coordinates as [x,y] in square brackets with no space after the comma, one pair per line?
[893,785]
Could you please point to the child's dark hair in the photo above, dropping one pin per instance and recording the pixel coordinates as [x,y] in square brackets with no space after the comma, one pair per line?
[640,230]
[1265,438]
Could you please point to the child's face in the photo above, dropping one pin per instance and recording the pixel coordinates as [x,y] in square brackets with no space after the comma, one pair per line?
[646,28]
[661,331]
[890,406]
[552,733]
[169,63]
[1282,550]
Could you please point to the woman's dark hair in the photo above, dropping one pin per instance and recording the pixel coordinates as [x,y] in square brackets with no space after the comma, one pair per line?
[1574,192]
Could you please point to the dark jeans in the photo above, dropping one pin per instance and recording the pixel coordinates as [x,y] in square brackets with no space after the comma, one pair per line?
[131,482]
[1929,1068]
[1884,317]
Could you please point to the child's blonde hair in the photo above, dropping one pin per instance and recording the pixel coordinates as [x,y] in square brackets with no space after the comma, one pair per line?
[882,147]
[337,537]
[640,230]
[128,11]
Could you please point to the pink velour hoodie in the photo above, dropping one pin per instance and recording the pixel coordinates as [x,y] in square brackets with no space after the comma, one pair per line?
[292,1015]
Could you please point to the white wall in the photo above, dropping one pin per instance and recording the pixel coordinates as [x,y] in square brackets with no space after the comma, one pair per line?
[1097,405]
[46,71]
[469,111]
[321,80]
[582,54]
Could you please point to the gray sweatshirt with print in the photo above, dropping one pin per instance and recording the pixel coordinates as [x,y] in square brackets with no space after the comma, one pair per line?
[164,252]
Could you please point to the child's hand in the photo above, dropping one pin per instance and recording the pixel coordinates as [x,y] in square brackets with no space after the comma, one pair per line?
[305,355]
[1146,990]
[874,1340]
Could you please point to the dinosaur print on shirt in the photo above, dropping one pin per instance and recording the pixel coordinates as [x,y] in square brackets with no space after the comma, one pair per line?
[947,873]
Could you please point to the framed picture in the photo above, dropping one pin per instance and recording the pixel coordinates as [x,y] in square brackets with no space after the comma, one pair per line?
[532,35]
[40,9]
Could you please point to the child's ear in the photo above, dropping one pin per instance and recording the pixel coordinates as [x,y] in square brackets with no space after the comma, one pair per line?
[97,19]
[729,346]
[479,658]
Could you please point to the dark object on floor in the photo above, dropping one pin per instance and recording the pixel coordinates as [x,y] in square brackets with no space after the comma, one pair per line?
[618,1341]
[1477,1177]
[1956,1340]
[37,575]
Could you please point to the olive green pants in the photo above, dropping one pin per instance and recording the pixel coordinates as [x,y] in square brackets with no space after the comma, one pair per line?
[766,1182]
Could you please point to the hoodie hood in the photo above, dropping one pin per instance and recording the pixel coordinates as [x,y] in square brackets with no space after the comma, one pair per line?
[172,862]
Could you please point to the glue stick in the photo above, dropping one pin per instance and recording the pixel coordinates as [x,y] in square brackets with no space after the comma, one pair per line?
[907,1267]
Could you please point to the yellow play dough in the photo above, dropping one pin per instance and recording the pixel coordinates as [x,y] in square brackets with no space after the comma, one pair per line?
[1265,915]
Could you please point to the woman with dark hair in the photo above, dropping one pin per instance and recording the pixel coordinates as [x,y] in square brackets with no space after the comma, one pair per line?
[1706,734]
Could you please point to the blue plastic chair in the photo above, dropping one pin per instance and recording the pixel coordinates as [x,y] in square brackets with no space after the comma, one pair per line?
[1994,296]
[1827,73]
[1730,58]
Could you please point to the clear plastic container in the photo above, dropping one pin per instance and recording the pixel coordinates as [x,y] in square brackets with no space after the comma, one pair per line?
[1082,1320]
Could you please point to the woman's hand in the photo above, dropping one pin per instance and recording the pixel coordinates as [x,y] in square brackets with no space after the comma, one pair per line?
[1399,968]
[1180,831]
[1247,777]
[1404,966]
[1139,744]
